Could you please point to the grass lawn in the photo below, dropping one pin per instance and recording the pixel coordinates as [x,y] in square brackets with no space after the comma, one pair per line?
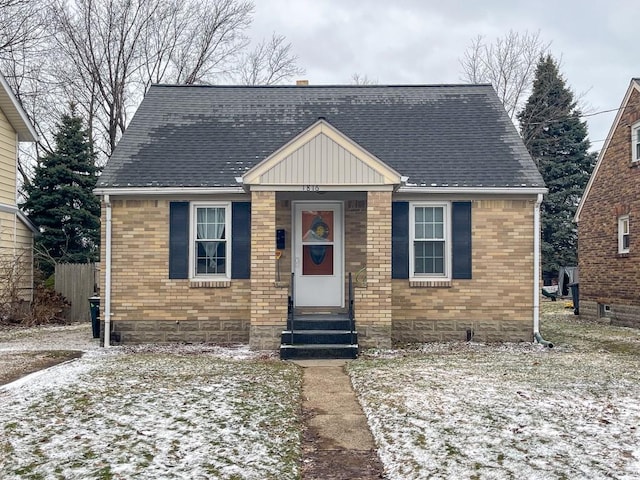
[510,410]
[154,414]
[452,410]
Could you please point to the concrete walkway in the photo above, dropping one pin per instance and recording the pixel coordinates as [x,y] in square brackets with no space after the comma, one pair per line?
[337,442]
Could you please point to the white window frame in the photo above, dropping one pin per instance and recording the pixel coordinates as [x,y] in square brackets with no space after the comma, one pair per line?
[623,230]
[635,142]
[193,275]
[447,241]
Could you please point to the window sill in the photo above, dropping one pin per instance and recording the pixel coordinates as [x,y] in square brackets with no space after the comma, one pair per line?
[209,284]
[430,283]
[623,254]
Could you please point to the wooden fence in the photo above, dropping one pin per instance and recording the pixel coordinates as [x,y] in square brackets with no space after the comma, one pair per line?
[77,282]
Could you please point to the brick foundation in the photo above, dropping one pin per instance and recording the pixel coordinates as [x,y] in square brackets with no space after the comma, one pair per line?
[619,314]
[163,331]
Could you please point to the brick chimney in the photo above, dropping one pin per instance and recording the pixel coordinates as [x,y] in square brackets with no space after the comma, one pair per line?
[302,83]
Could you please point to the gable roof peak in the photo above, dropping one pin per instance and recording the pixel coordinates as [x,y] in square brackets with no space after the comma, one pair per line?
[15,114]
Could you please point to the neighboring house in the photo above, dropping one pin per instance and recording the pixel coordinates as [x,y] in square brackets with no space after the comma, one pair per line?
[609,221]
[426,194]
[16,231]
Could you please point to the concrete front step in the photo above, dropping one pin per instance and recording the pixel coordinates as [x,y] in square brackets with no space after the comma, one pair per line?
[288,352]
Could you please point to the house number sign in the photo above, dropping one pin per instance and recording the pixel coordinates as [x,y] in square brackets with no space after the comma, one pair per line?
[311,188]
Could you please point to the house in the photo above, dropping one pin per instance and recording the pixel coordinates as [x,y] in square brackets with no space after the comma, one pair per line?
[232,212]
[16,231]
[608,218]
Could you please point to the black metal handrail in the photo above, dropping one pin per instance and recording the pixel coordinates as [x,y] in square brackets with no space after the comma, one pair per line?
[352,313]
[290,307]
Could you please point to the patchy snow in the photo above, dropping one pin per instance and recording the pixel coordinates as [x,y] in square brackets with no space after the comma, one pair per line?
[154,412]
[502,411]
[48,337]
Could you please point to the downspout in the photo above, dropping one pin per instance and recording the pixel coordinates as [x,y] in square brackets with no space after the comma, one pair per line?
[107,275]
[536,274]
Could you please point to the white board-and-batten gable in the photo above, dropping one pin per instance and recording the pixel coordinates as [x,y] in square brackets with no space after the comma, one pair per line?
[321,155]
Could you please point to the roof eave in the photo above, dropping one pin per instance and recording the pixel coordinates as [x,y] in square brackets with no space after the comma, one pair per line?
[15,114]
[634,85]
[474,190]
[166,190]
[12,209]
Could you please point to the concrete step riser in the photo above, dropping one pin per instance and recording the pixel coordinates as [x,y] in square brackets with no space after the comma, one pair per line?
[321,338]
[299,352]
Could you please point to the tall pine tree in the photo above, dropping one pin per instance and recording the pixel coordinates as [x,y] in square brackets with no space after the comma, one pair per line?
[557,140]
[60,198]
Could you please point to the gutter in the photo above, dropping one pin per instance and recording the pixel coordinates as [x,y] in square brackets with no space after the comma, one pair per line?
[536,274]
[106,191]
[473,190]
[107,275]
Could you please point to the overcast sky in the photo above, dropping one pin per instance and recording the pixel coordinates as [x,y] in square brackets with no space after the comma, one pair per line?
[421,41]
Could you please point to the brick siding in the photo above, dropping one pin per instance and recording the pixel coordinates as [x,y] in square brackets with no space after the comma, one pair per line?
[607,277]
[496,304]
[149,307]
[268,300]
[146,305]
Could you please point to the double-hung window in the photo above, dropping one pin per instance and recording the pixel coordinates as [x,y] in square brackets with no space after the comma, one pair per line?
[635,142]
[430,240]
[210,246]
[623,234]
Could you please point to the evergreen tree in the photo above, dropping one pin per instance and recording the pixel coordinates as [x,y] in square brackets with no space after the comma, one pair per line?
[557,140]
[60,198]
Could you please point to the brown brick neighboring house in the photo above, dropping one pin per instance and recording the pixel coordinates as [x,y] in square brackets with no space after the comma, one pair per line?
[215,196]
[609,220]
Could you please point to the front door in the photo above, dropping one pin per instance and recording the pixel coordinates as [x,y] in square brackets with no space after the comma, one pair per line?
[318,254]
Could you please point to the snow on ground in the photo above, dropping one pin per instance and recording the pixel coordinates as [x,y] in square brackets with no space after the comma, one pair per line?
[48,337]
[154,412]
[514,411]
[442,410]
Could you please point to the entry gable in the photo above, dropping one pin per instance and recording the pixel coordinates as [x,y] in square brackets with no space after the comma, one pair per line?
[321,155]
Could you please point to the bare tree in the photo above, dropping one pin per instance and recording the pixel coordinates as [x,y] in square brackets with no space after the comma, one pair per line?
[24,40]
[103,55]
[358,79]
[20,24]
[270,63]
[115,48]
[508,63]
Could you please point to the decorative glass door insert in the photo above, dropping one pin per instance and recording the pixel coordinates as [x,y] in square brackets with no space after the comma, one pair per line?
[317,242]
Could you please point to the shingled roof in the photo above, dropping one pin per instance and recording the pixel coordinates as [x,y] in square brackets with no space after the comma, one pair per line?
[206,136]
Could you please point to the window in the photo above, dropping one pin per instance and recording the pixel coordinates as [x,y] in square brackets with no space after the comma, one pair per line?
[604,310]
[623,234]
[210,233]
[430,240]
[635,142]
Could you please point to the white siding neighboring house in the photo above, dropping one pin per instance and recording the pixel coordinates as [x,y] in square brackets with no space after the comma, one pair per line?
[16,231]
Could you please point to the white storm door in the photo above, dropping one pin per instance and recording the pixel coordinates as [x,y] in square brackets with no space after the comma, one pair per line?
[318,254]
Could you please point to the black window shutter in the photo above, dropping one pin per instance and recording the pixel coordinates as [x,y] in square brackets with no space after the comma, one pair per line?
[241,240]
[179,240]
[461,239]
[400,240]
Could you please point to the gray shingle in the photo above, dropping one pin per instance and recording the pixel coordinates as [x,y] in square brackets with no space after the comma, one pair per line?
[202,136]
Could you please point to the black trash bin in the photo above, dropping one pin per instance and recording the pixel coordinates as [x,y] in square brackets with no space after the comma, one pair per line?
[94,307]
[575,295]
